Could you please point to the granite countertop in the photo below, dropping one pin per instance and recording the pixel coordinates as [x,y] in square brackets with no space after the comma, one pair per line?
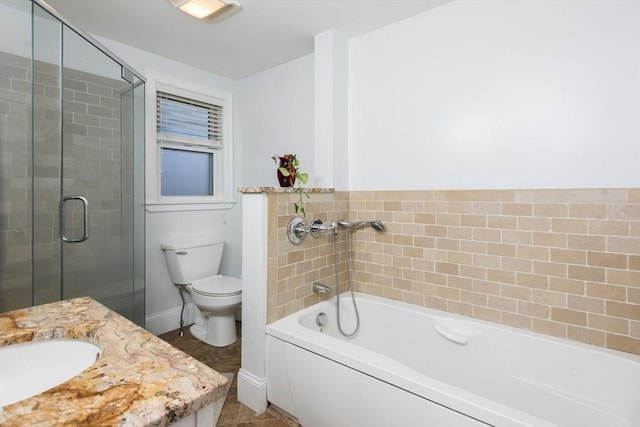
[138,380]
[254,190]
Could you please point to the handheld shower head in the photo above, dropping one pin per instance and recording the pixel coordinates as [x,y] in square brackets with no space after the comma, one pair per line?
[377,225]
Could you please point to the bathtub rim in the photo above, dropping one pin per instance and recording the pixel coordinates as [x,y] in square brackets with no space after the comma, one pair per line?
[276,326]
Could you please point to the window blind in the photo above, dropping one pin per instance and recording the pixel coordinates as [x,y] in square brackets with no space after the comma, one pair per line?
[188,120]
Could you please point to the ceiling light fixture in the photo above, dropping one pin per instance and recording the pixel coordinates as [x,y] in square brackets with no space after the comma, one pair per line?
[204,8]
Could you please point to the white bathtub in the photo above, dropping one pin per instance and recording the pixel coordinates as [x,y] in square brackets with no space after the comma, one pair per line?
[414,366]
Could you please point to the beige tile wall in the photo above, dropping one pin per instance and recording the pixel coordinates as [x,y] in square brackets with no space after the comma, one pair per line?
[559,262]
[293,269]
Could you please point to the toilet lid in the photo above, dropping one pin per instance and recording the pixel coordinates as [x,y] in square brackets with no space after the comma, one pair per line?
[218,286]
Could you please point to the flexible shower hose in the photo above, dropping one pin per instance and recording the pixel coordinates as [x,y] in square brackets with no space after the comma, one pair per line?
[347,249]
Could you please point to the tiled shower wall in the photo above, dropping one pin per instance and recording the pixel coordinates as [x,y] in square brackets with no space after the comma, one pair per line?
[93,169]
[15,152]
[559,262]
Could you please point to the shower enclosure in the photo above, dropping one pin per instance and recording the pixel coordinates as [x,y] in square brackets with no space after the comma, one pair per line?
[71,166]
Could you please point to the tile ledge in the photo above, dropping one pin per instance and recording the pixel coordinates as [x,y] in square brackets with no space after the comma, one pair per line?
[254,190]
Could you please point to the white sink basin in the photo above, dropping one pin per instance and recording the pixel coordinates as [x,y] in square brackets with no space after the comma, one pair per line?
[33,367]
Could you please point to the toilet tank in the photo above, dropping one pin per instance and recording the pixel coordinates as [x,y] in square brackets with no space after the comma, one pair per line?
[194,259]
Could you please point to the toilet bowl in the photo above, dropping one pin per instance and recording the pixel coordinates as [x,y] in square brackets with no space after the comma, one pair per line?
[193,264]
[216,301]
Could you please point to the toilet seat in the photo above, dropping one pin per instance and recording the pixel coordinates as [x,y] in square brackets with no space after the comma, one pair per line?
[218,286]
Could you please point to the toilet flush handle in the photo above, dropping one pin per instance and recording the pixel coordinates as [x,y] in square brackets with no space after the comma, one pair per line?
[182,253]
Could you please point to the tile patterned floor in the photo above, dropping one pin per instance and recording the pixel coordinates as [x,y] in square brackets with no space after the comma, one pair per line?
[227,359]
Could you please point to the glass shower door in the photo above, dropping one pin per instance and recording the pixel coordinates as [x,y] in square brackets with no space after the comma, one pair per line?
[46,159]
[87,172]
[96,206]
[15,155]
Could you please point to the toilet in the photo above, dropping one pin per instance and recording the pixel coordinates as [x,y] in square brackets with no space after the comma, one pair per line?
[194,264]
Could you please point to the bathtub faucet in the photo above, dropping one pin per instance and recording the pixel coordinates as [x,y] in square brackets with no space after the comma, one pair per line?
[297,229]
[320,288]
[317,228]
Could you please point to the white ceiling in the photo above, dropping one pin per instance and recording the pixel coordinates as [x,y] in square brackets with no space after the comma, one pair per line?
[259,35]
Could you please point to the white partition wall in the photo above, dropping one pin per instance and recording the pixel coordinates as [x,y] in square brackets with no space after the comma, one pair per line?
[252,383]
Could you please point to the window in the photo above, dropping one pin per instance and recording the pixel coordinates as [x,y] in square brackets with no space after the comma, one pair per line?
[189,145]
[186,172]
[189,132]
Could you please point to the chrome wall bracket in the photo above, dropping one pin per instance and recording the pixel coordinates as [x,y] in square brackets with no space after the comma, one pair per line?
[297,230]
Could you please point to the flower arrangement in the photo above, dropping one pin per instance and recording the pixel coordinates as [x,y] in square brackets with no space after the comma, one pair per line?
[289,175]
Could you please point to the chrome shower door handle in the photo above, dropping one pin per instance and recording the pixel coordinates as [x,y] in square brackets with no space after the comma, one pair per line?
[85,225]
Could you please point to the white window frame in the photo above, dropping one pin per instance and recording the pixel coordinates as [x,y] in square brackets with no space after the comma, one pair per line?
[223,158]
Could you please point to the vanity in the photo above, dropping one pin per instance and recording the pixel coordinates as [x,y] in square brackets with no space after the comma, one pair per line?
[136,380]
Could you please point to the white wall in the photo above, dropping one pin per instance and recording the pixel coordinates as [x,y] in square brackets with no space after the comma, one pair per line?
[275,116]
[331,105]
[162,299]
[498,94]
[15,18]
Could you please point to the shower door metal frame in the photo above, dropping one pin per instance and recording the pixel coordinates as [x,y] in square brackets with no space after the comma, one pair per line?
[129,70]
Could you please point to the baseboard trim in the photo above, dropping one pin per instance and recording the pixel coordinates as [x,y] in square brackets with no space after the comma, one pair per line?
[252,391]
[168,320]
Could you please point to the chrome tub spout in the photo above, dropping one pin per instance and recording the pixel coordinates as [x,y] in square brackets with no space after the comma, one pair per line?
[320,288]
